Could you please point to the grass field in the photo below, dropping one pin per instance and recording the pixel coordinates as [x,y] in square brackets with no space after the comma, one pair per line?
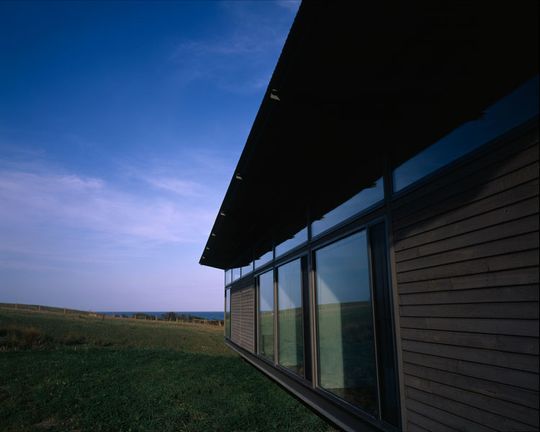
[78,373]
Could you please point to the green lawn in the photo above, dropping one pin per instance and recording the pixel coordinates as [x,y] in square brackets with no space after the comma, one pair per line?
[71,373]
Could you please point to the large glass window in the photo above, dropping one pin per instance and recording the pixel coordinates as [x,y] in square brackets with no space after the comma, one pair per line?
[228,274]
[364,199]
[266,315]
[514,109]
[236,273]
[345,322]
[228,313]
[296,240]
[291,331]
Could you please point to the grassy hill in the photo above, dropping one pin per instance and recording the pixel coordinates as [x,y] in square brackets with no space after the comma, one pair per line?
[82,373]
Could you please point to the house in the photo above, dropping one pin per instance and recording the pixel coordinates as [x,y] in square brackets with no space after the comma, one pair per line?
[379,235]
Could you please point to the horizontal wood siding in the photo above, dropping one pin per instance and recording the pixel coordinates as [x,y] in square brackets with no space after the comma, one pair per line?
[466,259]
[243,318]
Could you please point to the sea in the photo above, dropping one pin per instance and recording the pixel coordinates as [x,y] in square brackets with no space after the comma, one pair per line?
[209,315]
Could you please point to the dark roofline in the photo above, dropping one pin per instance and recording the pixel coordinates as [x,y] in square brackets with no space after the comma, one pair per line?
[389,81]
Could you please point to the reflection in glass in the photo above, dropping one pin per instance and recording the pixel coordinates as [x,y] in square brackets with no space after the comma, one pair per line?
[266,315]
[509,112]
[291,339]
[361,201]
[235,273]
[228,275]
[247,269]
[296,240]
[228,313]
[266,258]
[345,324]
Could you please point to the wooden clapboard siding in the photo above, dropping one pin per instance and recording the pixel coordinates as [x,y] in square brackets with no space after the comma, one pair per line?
[523,399]
[243,317]
[484,326]
[517,378]
[492,279]
[466,262]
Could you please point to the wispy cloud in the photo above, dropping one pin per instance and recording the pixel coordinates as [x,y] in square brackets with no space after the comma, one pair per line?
[291,5]
[242,61]
[176,186]
[93,204]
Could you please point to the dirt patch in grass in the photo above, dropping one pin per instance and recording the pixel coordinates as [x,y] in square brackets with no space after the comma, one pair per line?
[15,338]
[47,424]
[18,337]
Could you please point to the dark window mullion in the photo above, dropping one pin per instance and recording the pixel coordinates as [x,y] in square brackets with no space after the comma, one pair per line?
[372,286]
[385,339]
[306,319]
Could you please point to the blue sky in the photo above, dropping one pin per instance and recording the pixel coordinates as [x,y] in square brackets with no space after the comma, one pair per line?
[120,127]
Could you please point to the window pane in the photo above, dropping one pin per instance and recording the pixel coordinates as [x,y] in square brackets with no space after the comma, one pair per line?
[345,324]
[267,257]
[247,269]
[296,240]
[361,201]
[266,315]
[514,109]
[291,338]
[235,273]
[228,313]
[227,277]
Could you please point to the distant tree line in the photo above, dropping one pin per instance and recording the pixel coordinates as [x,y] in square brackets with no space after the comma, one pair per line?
[169,316]
[173,316]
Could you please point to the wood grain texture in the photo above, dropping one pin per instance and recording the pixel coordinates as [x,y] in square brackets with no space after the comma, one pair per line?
[466,254]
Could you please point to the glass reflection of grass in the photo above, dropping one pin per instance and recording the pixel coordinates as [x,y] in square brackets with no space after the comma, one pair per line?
[266,323]
[291,340]
[346,353]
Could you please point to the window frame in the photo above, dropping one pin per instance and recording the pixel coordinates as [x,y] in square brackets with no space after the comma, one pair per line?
[302,257]
[377,214]
[329,241]
[258,315]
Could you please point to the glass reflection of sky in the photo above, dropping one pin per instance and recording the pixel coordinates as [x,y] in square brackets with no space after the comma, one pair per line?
[235,273]
[228,277]
[247,269]
[512,110]
[361,201]
[343,271]
[290,285]
[266,292]
[299,238]
[267,257]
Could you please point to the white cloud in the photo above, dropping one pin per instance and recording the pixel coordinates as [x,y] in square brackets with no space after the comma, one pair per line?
[92,204]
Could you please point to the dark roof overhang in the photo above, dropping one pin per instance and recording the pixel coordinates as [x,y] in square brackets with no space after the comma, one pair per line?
[359,85]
